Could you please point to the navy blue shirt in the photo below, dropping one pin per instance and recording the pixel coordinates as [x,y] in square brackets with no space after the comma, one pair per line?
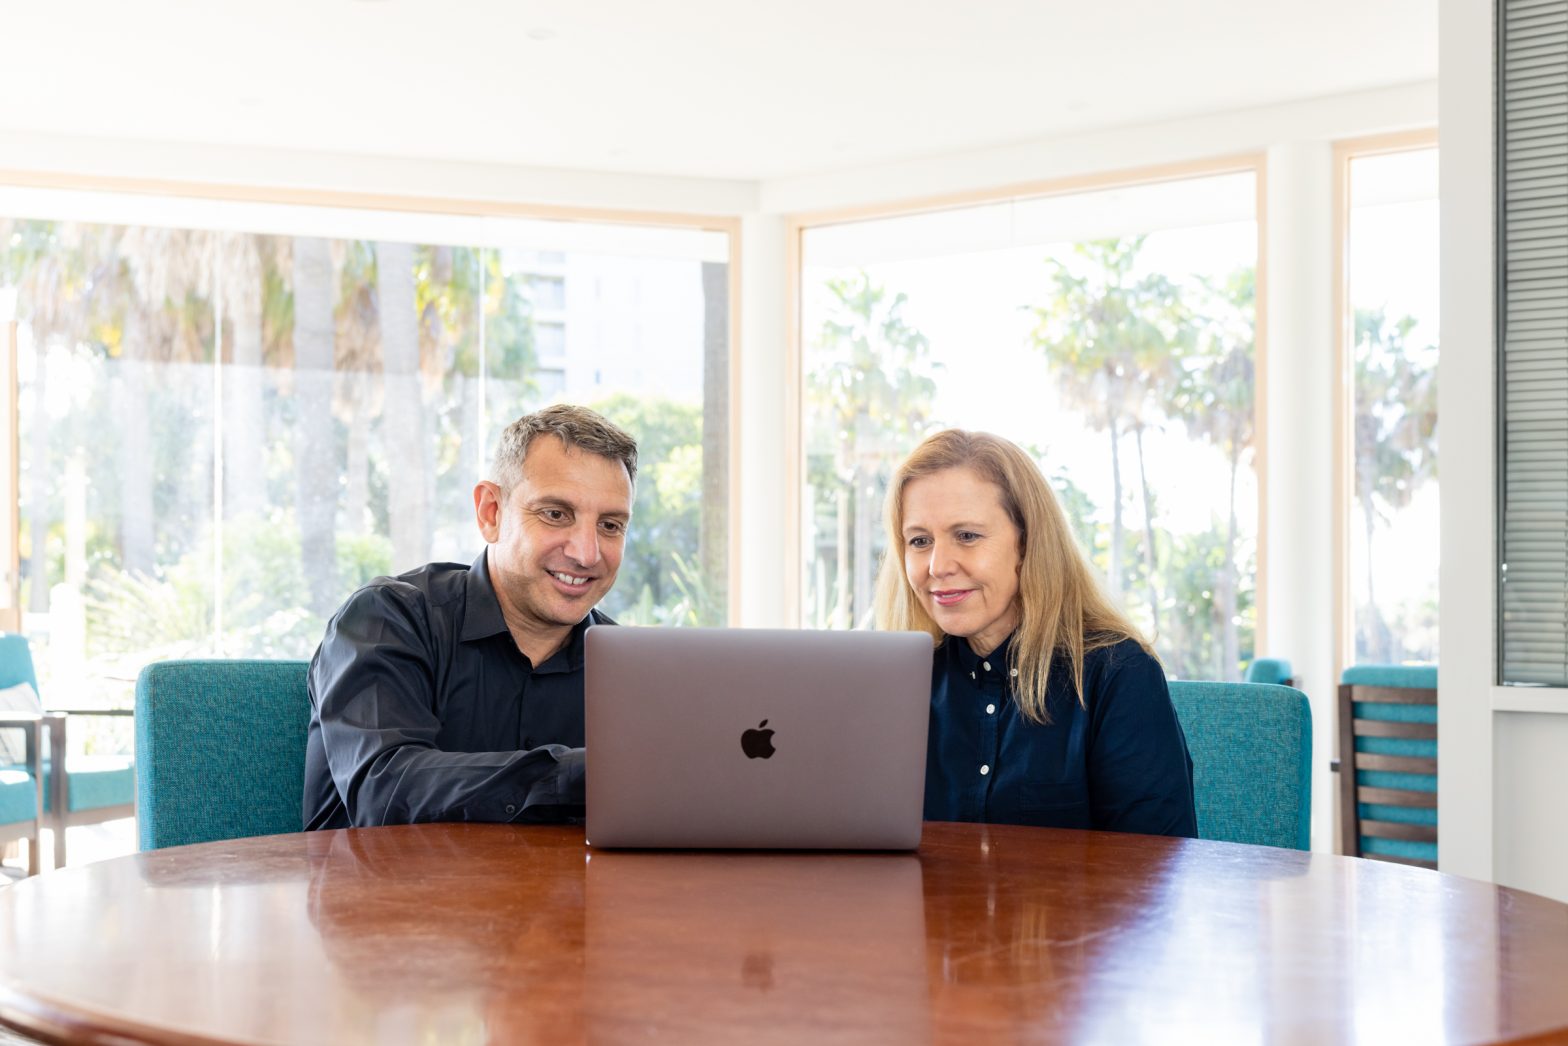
[1120,764]
[424,709]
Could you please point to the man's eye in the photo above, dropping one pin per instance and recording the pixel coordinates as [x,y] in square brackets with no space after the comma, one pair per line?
[554,515]
[611,526]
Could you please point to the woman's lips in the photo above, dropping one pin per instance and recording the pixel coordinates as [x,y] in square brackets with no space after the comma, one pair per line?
[951,597]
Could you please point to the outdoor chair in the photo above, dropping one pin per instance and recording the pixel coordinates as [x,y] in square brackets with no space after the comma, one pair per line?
[21,785]
[1388,763]
[1251,746]
[77,789]
[221,746]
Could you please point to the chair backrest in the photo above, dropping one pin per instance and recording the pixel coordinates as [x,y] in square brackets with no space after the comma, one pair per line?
[16,661]
[220,750]
[1270,670]
[1251,746]
[1388,763]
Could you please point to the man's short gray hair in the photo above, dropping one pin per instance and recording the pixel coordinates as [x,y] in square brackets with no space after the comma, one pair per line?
[577,427]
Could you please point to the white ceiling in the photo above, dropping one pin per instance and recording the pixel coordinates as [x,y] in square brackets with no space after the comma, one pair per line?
[748,89]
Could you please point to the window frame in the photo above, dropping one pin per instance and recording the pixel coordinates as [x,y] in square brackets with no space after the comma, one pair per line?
[1343,447]
[797,224]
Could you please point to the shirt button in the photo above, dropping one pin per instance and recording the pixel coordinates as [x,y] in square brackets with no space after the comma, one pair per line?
[984,770]
[971,675]
[510,808]
[1015,671]
[990,710]
[986,665]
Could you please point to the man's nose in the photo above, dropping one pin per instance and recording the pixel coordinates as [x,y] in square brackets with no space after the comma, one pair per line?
[582,546]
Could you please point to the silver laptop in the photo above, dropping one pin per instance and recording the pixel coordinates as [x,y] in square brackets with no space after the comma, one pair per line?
[756,738]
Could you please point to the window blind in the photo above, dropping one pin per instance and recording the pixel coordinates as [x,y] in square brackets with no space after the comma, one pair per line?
[1532,313]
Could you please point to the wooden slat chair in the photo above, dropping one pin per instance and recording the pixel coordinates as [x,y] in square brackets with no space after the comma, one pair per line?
[1388,763]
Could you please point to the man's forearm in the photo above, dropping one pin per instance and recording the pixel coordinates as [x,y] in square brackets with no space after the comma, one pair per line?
[412,783]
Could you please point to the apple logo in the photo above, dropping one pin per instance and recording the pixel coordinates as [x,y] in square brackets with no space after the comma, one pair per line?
[758,743]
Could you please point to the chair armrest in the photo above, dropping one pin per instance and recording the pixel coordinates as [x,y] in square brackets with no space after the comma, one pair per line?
[34,723]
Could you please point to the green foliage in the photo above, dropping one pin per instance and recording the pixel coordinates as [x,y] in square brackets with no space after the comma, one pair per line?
[1395,433]
[870,392]
[659,582]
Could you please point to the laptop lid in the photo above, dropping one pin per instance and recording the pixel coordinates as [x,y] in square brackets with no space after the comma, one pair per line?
[756,738]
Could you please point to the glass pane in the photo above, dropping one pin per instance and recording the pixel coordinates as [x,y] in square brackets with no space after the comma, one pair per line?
[225,432]
[1394,524]
[1110,333]
[116,418]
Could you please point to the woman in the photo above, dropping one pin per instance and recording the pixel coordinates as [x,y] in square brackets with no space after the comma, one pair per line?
[1047,708]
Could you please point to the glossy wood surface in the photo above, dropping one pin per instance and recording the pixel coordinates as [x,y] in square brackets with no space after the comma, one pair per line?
[488,933]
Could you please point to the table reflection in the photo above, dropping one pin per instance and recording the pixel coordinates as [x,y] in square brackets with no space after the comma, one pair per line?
[830,947]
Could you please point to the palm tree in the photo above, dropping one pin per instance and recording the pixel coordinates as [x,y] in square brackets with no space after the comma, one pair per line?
[1215,399]
[712,551]
[872,388]
[1112,337]
[315,446]
[1395,442]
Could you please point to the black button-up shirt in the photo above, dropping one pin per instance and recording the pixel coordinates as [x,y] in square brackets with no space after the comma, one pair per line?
[424,709]
[1119,764]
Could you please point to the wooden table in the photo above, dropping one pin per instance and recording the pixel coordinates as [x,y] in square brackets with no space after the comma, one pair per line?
[489,933]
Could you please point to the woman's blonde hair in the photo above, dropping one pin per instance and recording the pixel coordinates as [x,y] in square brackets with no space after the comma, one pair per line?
[1063,610]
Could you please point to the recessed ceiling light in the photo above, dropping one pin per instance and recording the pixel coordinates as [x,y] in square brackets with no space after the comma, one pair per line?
[540,33]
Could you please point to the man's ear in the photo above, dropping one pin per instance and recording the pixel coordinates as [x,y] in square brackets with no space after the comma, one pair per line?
[487,510]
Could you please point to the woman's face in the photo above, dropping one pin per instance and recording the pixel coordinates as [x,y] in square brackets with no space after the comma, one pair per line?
[961,555]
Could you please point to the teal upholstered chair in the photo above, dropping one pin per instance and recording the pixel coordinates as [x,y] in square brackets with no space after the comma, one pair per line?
[1251,748]
[1388,763]
[1270,670]
[91,788]
[222,750]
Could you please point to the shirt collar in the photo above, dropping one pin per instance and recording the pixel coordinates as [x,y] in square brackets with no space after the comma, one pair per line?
[482,618]
[969,661]
[482,615]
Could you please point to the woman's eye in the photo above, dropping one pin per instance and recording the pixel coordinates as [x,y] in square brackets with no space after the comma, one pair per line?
[919,542]
[968,535]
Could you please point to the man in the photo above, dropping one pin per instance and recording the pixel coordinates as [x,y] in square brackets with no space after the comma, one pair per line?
[455,693]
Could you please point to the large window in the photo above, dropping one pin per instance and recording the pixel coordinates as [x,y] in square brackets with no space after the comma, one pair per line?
[232,415]
[1109,332]
[1391,295]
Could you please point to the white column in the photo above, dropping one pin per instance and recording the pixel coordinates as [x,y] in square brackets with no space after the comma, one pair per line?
[1299,362]
[764,374]
[1466,415]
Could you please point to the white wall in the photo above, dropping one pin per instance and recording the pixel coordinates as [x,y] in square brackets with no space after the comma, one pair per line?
[1465,389]
[31,154]
[1501,767]
[1299,369]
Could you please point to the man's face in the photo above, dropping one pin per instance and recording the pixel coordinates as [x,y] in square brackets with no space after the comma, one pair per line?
[556,540]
